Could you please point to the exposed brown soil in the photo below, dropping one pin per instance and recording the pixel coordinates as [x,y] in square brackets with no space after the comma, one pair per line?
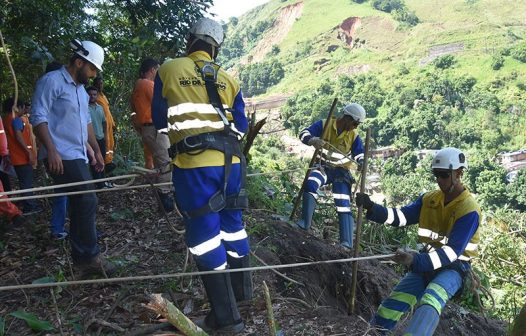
[284,21]
[347,30]
[143,244]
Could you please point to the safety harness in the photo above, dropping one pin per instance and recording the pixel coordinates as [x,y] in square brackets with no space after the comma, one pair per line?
[225,141]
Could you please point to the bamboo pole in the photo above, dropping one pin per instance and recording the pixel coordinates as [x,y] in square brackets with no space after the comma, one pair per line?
[270,313]
[313,160]
[359,223]
[170,312]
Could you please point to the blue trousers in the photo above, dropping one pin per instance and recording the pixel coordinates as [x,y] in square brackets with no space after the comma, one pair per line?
[58,214]
[82,211]
[25,178]
[341,186]
[211,236]
[414,289]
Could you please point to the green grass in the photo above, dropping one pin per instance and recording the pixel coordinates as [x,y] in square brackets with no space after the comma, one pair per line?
[485,27]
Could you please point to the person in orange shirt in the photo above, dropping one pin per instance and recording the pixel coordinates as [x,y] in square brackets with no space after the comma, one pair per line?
[102,100]
[21,149]
[7,208]
[156,142]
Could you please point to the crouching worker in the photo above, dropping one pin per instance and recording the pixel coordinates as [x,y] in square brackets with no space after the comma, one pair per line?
[335,163]
[449,219]
[203,110]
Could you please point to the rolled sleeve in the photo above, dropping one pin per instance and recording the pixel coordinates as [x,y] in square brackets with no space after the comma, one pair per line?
[42,101]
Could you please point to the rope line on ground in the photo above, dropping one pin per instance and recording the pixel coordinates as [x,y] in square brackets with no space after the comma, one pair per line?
[188,274]
[116,188]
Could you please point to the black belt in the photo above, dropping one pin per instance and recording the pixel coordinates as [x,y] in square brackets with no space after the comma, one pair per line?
[147,124]
[229,145]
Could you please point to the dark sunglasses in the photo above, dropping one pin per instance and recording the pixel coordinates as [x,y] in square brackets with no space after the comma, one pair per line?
[441,174]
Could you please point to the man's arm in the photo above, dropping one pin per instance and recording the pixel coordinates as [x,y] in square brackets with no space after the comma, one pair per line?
[159,105]
[92,140]
[18,126]
[54,160]
[314,130]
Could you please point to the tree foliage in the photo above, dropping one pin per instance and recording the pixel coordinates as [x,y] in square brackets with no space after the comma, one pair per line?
[37,32]
[258,77]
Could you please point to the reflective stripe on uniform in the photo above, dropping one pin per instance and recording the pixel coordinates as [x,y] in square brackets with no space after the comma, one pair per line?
[195,124]
[184,108]
[315,179]
[390,216]
[403,297]
[234,254]
[427,233]
[344,197]
[206,246]
[471,247]
[221,267]
[389,314]
[451,255]
[343,209]
[233,236]
[401,218]
[435,260]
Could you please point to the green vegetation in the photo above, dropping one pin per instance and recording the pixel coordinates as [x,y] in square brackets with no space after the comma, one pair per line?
[257,78]
[470,96]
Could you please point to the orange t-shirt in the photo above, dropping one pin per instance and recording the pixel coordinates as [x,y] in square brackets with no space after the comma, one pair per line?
[141,100]
[18,153]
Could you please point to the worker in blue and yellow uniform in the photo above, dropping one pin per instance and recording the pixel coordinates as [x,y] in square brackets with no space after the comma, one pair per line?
[202,108]
[341,146]
[449,220]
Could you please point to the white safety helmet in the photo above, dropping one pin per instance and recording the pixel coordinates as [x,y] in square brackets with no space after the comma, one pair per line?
[449,158]
[89,51]
[209,31]
[356,111]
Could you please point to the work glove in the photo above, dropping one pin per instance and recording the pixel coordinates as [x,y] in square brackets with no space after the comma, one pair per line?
[316,142]
[403,257]
[364,201]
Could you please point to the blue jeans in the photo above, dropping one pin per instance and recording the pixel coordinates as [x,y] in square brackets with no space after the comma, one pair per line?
[82,211]
[58,214]
[25,178]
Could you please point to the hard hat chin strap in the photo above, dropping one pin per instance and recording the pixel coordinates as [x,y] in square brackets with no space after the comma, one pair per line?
[452,181]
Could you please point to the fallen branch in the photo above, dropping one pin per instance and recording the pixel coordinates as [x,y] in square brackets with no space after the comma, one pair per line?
[170,312]
[106,324]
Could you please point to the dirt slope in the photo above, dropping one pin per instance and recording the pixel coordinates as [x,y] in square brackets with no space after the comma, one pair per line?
[142,244]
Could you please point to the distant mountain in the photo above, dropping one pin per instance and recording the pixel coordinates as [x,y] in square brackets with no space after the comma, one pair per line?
[319,40]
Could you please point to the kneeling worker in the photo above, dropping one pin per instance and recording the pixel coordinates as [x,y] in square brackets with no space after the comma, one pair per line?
[449,220]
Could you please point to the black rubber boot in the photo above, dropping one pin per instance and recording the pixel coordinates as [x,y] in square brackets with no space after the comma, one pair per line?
[241,281]
[346,229]
[307,210]
[223,316]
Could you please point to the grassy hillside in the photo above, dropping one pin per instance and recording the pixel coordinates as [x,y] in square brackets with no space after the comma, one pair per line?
[473,98]
[484,27]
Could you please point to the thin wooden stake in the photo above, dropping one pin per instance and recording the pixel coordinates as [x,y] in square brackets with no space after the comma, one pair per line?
[359,224]
[270,313]
[313,160]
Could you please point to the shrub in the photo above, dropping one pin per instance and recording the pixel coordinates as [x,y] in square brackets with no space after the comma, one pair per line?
[444,62]
[387,5]
[519,52]
[405,16]
[497,62]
